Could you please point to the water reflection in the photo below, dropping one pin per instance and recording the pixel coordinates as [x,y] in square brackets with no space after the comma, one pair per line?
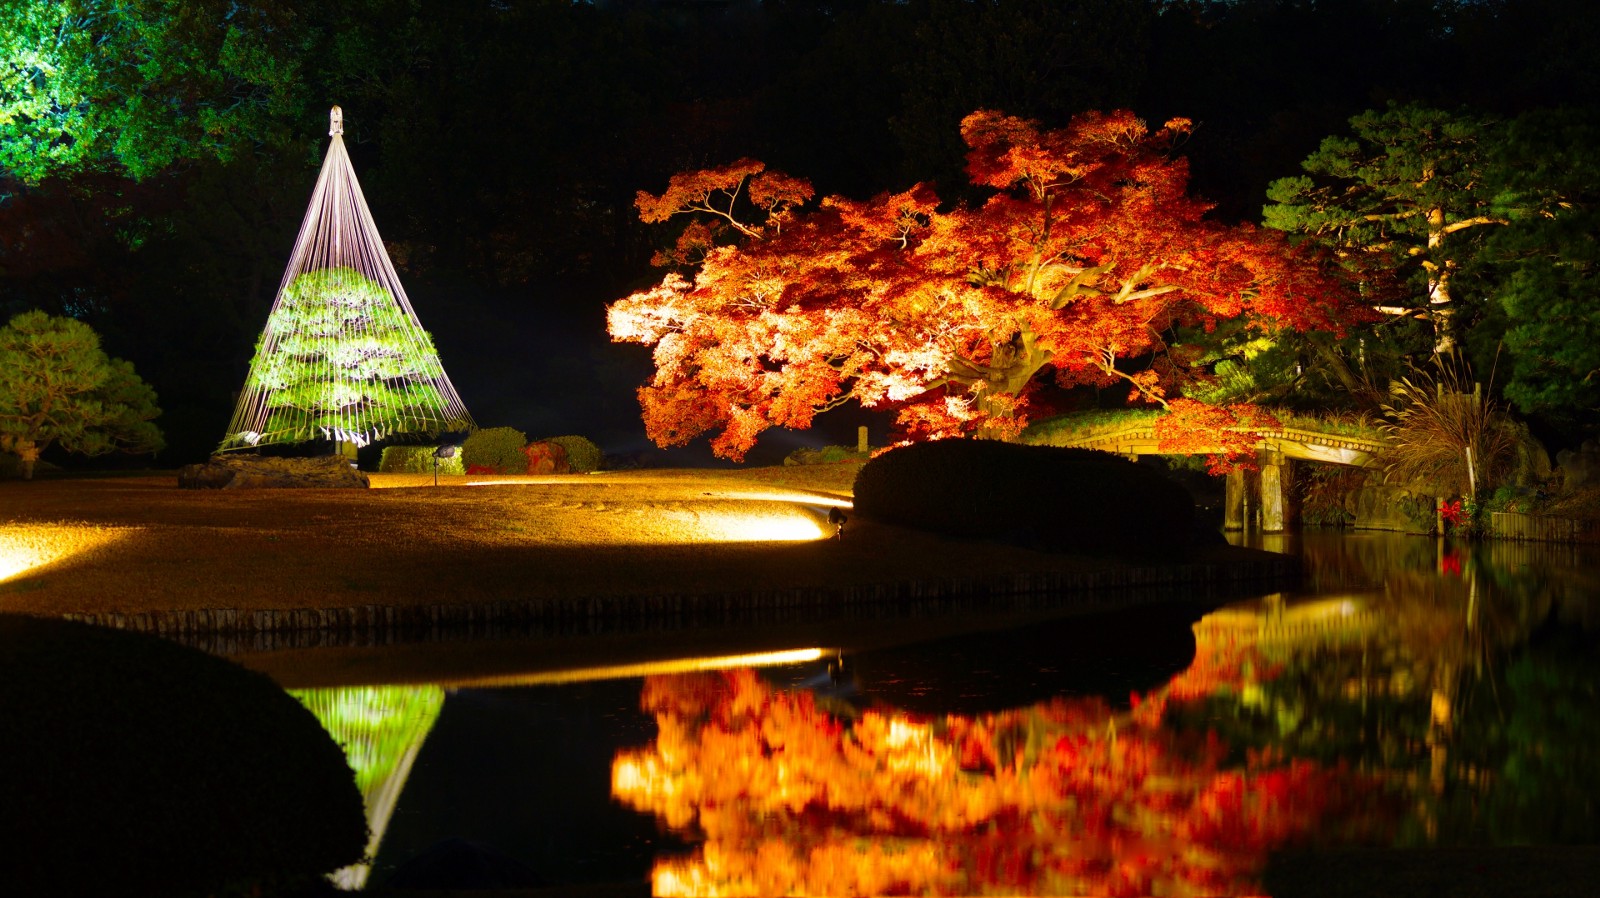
[1417,693]
[1469,689]
[381,729]
[1061,797]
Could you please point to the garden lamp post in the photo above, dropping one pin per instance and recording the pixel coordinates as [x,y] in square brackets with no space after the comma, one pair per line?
[448,450]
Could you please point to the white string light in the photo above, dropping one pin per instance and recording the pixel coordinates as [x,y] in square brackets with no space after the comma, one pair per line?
[343,356]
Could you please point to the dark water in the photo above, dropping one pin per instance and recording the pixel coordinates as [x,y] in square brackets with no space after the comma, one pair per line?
[1413,693]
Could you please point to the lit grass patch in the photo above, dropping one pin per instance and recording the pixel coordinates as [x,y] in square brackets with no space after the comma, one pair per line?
[28,547]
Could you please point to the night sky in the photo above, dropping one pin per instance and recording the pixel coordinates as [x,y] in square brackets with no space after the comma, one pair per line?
[501,142]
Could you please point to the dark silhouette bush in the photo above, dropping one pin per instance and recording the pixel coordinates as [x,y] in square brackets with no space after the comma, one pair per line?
[133,765]
[1069,500]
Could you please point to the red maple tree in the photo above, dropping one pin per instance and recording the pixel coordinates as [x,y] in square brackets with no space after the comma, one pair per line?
[1079,267]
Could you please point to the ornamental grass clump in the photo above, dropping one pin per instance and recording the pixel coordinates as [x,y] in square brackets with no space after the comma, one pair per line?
[1447,437]
[1071,500]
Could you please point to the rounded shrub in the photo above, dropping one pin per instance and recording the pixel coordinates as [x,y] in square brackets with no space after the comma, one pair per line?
[495,449]
[583,455]
[134,765]
[417,460]
[1070,500]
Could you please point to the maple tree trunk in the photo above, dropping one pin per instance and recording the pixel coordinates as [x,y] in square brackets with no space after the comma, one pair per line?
[1009,382]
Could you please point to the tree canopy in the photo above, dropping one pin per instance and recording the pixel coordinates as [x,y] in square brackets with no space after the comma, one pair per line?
[103,85]
[57,386]
[1410,189]
[1085,257]
[154,153]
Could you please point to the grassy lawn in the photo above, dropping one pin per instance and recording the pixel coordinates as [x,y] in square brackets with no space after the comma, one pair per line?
[123,544]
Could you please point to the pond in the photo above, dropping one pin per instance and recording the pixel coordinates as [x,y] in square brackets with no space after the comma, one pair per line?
[1412,693]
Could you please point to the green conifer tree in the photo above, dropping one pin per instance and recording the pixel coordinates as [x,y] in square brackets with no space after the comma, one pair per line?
[57,386]
[339,357]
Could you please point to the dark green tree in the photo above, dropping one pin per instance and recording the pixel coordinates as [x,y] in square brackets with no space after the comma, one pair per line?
[1540,274]
[1408,192]
[133,87]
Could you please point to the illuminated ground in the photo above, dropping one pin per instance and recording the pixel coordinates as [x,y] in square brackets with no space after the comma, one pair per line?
[139,543]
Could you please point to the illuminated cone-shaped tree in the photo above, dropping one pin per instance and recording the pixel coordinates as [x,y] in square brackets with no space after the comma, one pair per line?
[343,356]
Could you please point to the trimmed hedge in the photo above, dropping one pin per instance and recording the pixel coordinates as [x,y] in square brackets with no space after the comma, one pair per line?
[134,765]
[417,460]
[583,456]
[495,449]
[1071,500]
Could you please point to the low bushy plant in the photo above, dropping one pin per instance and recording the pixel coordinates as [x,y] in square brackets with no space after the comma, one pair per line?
[583,455]
[827,455]
[418,460]
[497,450]
[1072,500]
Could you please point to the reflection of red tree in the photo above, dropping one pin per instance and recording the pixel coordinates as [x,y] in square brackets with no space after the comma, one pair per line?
[1059,798]
[1225,658]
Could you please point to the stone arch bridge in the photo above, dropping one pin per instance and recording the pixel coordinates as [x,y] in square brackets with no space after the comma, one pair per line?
[1276,450]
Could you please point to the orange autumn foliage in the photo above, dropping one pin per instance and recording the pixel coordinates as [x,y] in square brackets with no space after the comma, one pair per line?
[1077,269]
[1059,798]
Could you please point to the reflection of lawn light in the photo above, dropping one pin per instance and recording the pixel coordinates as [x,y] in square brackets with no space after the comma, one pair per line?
[28,547]
[643,669]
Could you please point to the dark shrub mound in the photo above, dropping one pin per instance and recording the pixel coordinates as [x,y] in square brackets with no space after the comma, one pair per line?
[132,765]
[1068,500]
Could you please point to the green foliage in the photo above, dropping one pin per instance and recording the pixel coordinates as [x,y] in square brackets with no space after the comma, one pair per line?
[1540,272]
[1081,425]
[344,355]
[827,455]
[1070,500]
[1407,192]
[583,456]
[497,449]
[417,460]
[57,386]
[135,87]
[134,765]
